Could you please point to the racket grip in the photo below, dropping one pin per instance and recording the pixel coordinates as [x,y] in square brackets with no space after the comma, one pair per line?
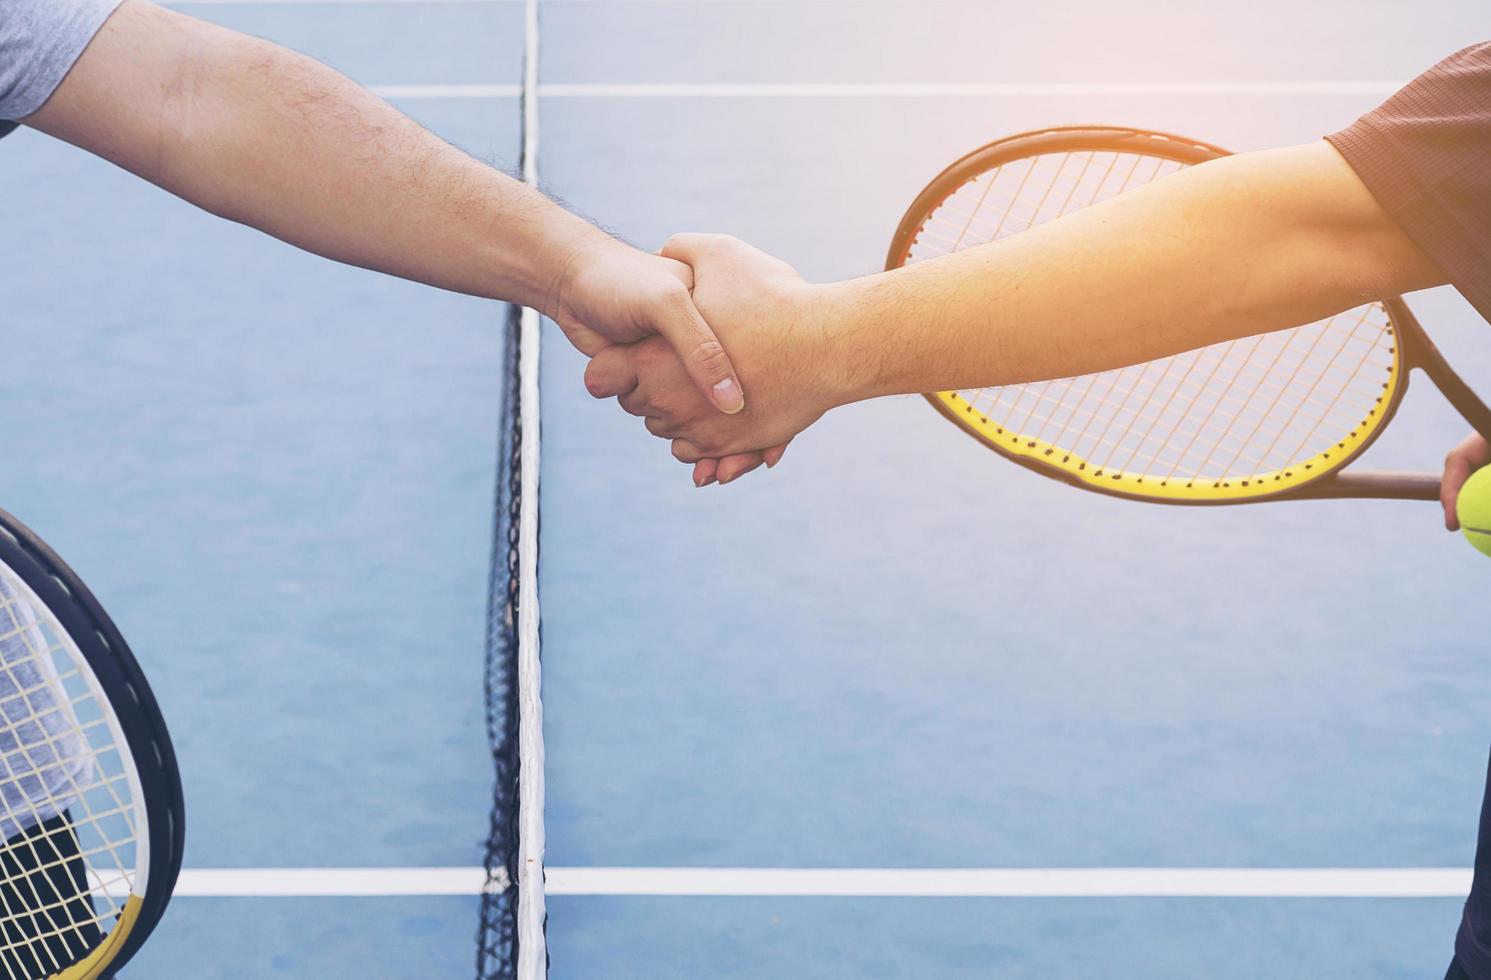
[1383,485]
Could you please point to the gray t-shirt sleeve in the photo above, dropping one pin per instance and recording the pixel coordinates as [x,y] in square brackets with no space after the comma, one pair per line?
[39,42]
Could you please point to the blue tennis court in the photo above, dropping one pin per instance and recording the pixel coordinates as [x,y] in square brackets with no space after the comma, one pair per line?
[893,709]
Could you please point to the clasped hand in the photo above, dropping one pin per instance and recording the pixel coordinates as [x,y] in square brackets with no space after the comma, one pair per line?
[767,317]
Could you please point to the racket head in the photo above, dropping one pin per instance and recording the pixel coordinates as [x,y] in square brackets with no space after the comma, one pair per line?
[80,734]
[1248,420]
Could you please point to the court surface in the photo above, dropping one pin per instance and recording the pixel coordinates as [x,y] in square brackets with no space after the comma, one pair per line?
[893,652]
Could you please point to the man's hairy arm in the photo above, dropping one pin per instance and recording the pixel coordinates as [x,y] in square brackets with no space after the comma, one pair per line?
[1238,246]
[261,135]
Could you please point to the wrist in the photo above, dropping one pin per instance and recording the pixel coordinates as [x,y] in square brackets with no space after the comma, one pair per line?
[539,250]
[573,256]
[853,361]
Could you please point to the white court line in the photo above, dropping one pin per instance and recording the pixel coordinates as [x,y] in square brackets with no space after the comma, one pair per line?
[446,91]
[877,90]
[834,90]
[309,3]
[861,882]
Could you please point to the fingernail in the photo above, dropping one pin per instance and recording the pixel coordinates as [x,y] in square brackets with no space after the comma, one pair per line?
[727,396]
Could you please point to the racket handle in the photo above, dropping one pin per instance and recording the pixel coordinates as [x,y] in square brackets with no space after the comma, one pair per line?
[1386,485]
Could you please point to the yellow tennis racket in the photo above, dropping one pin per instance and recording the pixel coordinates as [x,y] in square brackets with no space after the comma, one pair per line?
[1276,416]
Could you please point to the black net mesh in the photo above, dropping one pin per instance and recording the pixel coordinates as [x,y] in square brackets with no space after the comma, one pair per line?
[497,946]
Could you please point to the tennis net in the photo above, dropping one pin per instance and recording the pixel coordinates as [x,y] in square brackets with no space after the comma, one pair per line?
[511,944]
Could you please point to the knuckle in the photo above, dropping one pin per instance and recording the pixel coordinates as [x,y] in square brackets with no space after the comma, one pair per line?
[709,355]
[651,353]
[664,407]
[669,290]
[676,401]
[662,296]
[634,404]
[603,368]
[711,445]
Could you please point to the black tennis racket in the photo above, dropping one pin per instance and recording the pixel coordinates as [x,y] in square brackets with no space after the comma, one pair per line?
[1272,417]
[90,797]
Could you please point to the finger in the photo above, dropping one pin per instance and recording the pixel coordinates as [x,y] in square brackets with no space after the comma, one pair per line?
[1457,470]
[610,373]
[662,428]
[693,249]
[584,340]
[734,467]
[705,472]
[689,247]
[703,355]
[635,403]
[685,451]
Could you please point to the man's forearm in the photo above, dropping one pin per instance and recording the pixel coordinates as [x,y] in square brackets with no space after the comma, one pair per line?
[1232,248]
[261,135]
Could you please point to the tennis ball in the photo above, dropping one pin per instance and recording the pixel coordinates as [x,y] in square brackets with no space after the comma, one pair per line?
[1474,509]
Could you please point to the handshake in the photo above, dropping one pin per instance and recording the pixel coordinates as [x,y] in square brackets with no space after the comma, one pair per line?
[728,353]
[721,349]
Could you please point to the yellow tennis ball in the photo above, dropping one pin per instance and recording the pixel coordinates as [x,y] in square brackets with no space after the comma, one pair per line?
[1474,509]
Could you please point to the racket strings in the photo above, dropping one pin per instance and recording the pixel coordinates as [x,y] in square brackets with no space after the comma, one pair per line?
[67,802]
[1292,384]
[1239,403]
[65,861]
[102,753]
[43,945]
[1386,342]
[973,213]
[1160,415]
[1243,410]
[49,933]
[1035,209]
[970,218]
[1048,423]
[1177,382]
[35,927]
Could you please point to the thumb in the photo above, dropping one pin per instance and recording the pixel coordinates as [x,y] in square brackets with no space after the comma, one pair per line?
[677,268]
[701,352]
[689,247]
